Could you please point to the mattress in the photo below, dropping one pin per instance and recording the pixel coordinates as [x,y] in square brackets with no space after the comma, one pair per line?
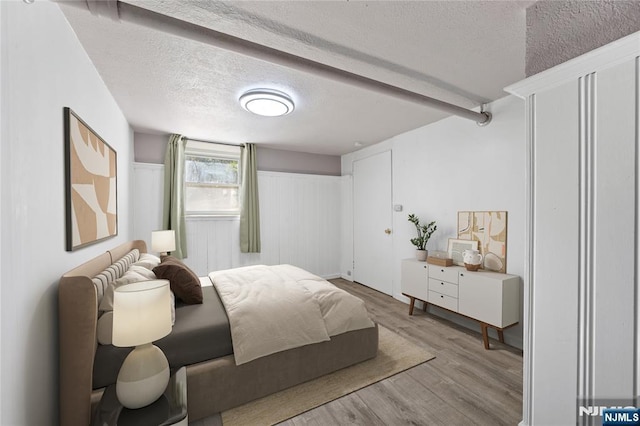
[201,332]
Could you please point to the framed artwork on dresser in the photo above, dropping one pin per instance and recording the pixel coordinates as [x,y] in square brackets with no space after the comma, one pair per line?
[91,181]
[456,247]
[489,228]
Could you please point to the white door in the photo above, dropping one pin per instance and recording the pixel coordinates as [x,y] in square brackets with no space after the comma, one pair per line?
[372,219]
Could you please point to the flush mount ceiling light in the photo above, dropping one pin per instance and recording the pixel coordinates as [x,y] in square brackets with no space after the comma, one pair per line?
[267,102]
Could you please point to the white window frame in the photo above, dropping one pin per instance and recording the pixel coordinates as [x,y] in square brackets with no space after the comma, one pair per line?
[213,151]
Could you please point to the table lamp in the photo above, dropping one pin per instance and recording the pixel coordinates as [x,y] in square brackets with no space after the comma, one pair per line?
[141,315]
[163,242]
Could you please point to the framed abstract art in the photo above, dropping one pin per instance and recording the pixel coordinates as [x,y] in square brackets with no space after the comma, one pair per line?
[489,228]
[91,180]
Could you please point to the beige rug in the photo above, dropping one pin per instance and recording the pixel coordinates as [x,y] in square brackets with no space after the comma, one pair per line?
[395,354]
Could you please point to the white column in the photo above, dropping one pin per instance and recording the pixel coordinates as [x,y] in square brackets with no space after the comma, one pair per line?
[581,285]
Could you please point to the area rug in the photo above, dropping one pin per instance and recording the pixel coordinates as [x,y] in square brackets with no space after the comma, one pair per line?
[395,354]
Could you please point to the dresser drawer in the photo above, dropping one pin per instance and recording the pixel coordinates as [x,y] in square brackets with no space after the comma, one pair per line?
[443,287]
[443,273]
[443,300]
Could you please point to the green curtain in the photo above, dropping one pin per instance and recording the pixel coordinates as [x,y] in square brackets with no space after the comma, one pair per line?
[173,212]
[249,206]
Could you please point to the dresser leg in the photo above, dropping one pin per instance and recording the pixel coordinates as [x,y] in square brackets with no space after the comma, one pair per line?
[485,335]
[412,302]
[424,306]
[500,335]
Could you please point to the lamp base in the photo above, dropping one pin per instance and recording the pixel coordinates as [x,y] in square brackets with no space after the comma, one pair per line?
[143,376]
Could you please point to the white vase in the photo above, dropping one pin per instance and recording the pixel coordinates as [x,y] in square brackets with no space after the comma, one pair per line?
[421,255]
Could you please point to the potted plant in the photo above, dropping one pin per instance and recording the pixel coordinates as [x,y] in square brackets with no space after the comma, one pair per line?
[424,233]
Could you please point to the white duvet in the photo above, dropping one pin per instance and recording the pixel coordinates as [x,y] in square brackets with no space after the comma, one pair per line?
[275,308]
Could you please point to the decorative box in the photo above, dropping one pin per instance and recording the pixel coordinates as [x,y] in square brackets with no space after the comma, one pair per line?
[440,261]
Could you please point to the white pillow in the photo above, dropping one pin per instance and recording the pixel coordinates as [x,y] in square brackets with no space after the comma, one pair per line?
[105,328]
[107,299]
[149,257]
[148,260]
[145,272]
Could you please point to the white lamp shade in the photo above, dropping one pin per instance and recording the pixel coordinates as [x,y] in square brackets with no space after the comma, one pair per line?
[163,241]
[141,313]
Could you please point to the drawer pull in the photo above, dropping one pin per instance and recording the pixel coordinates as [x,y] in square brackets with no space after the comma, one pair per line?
[425,266]
[461,274]
[441,296]
[441,283]
[441,270]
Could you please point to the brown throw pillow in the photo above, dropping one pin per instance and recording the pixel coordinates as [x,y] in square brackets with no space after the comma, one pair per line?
[184,283]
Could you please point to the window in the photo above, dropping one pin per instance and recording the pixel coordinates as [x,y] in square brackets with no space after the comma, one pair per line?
[212,179]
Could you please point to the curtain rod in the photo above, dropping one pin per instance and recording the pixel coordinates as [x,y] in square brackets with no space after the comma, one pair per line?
[217,143]
[119,11]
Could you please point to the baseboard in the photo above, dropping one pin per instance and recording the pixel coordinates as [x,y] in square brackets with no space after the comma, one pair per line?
[331,276]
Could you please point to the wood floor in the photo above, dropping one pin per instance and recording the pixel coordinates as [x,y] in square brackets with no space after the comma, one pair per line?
[464,385]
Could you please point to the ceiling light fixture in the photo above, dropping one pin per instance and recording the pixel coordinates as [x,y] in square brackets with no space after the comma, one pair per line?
[267,102]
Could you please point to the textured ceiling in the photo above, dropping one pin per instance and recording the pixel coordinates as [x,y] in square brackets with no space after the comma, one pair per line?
[562,30]
[463,52]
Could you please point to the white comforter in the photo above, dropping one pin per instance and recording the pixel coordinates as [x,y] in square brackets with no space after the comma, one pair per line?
[275,308]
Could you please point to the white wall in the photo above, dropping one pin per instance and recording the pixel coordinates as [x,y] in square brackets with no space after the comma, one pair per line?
[454,165]
[299,223]
[150,148]
[280,160]
[148,193]
[44,68]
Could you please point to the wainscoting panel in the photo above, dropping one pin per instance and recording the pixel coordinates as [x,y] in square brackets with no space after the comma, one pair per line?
[614,149]
[210,242]
[557,232]
[299,223]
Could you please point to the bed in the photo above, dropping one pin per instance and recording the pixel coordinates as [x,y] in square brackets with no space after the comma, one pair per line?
[214,384]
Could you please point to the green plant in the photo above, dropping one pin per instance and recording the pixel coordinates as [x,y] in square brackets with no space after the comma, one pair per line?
[424,232]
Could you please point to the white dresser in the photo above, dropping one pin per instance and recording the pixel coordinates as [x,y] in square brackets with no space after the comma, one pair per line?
[491,298]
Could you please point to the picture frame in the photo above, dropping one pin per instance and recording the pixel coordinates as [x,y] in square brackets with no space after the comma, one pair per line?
[489,228]
[91,182]
[456,247]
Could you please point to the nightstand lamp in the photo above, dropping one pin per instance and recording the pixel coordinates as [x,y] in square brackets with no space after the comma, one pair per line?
[163,242]
[141,315]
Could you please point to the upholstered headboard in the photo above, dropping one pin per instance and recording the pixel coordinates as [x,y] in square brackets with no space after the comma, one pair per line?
[77,322]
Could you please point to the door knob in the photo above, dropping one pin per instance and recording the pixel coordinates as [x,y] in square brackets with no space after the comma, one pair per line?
[387,231]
